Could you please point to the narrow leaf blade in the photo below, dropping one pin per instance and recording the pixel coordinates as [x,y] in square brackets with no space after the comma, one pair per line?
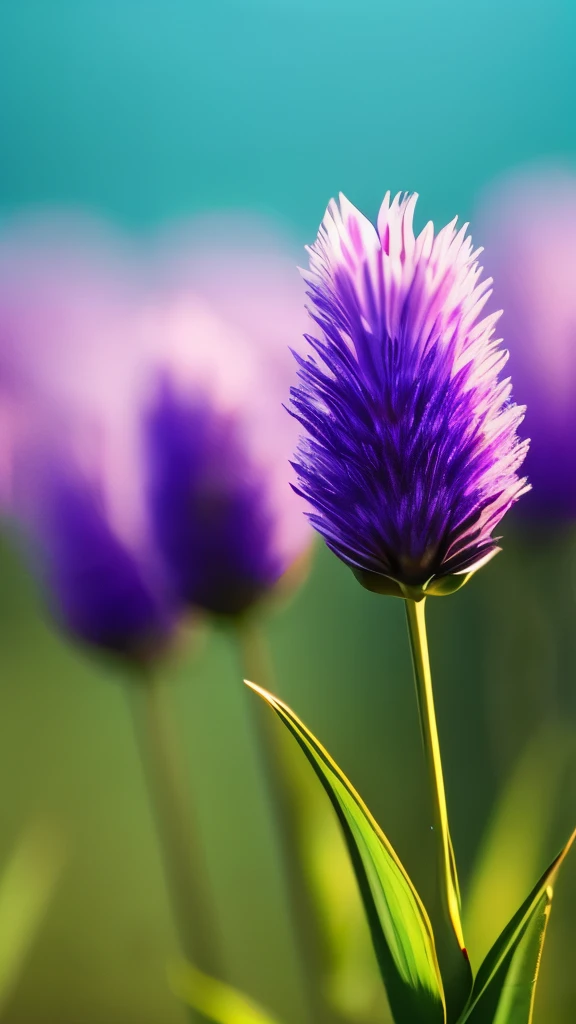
[27,886]
[215,1000]
[400,927]
[516,1005]
[522,820]
[509,957]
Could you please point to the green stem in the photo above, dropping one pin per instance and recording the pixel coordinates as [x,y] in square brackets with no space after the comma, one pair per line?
[183,859]
[450,941]
[284,799]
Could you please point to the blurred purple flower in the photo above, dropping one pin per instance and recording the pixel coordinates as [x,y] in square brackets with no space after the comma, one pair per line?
[145,451]
[108,586]
[227,521]
[71,473]
[410,456]
[528,225]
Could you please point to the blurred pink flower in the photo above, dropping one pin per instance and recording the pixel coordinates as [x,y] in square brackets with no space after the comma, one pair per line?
[527,224]
[144,444]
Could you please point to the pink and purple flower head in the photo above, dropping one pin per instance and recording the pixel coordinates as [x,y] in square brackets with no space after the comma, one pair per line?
[227,521]
[410,456]
[145,449]
[528,223]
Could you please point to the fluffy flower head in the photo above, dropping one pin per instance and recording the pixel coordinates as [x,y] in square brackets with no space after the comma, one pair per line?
[411,455]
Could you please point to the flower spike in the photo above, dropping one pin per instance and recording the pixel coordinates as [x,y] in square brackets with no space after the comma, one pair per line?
[410,456]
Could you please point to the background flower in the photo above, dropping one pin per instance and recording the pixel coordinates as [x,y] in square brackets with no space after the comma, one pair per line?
[145,448]
[527,223]
[73,475]
[228,523]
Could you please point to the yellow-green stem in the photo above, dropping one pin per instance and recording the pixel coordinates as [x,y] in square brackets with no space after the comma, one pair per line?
[450,942]
[274,756]
[182,855]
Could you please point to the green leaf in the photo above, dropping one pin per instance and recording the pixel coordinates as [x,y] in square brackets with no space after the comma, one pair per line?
[352,982]
[214,999]
[506,980]
[27,885]
[521,820]
[401,930]
[454,875]
[516,1004]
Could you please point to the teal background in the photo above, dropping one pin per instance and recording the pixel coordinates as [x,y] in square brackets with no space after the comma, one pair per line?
[146,111]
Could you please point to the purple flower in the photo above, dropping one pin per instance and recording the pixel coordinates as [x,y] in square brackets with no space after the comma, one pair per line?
[209,506]
[219,442]
[72,475]
[108,588]
[410,456]
[528,224]
[145,449]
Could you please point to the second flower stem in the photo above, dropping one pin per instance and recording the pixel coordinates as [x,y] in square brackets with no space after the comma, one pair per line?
[183,858]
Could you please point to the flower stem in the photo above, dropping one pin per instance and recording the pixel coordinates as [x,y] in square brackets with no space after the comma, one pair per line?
[284,798]
[450,941]
[183,859]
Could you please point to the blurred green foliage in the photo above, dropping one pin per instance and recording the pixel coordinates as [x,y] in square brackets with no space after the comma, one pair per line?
[148,110]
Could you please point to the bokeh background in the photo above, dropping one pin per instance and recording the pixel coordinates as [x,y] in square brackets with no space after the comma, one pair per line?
[147,111]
